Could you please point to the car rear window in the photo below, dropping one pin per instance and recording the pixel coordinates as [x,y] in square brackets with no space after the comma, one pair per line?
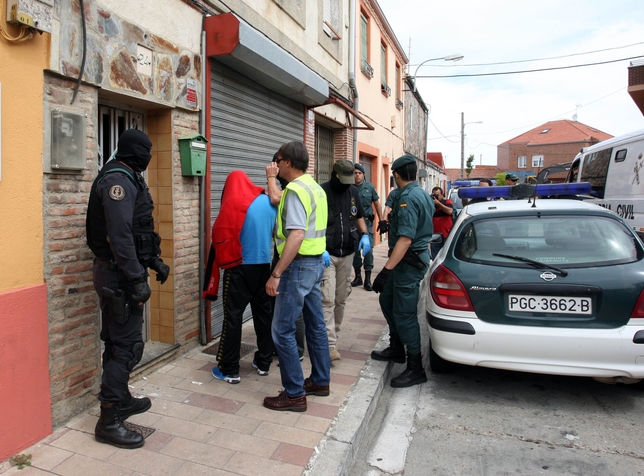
[456,200]
[574,241]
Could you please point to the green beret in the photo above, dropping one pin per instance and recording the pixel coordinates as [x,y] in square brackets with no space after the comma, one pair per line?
[402,161]
[359,167]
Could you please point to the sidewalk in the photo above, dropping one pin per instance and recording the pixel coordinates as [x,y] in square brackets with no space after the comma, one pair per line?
[205,426]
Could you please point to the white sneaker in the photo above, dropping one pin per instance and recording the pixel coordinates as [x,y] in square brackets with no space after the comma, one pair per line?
[261,372]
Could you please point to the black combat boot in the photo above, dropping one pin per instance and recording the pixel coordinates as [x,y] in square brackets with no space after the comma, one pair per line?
[133,406]
[358,280]
[367,281]
[395,352]
[110,428]
[414,374]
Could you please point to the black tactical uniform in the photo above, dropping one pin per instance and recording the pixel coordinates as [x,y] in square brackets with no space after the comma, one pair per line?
[120,233]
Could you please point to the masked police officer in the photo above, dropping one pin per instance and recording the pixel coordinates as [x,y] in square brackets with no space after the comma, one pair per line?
[120,233]
[410,228]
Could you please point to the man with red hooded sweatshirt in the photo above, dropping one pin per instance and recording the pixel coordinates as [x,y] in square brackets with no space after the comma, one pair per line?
[241,245]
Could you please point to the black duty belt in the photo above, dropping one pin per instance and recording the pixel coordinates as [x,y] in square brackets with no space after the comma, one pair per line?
[109,263]
[370,218]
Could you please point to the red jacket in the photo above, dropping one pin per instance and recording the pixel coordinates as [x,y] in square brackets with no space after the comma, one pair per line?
[226,250]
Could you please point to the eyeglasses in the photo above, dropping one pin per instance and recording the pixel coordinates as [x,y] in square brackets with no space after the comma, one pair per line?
[277,161]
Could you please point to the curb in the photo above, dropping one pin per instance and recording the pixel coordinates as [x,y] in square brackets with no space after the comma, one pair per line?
[337,449]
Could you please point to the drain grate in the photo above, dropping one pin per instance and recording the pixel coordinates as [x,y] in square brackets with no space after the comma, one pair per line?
[244,350]
[144,430]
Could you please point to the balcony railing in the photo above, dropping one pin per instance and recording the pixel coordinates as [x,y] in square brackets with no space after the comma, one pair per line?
[399,104]
[367,68]
[385,89]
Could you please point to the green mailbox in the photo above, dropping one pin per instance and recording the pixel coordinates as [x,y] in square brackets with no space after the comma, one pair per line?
[193,151]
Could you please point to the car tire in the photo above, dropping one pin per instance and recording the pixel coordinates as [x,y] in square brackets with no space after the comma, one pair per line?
[438,364]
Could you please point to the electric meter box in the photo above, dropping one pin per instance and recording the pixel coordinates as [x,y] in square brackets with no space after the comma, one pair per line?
[36,14]
[193,151]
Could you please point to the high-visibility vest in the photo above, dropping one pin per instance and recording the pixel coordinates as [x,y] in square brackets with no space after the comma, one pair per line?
[313,197]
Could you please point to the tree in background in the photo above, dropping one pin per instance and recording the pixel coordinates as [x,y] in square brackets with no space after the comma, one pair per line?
[500,178]
[468,165]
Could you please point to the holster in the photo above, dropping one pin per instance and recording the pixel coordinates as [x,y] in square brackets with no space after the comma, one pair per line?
[119,304]
[411,257]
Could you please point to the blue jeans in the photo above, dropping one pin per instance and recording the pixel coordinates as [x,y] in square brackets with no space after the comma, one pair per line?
[299,291]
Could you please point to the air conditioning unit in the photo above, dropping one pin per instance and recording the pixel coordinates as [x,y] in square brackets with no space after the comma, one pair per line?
[35,14]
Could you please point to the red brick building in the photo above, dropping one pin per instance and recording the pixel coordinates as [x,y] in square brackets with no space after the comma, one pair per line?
[554,142]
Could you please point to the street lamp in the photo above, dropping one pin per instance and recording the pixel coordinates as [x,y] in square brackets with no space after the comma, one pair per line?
[463,124]
[455,57]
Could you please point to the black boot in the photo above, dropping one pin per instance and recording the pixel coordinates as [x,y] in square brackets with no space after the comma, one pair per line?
[367,281]
[414,374]
[110,428]
[134,406]
[358,280]
[395,352]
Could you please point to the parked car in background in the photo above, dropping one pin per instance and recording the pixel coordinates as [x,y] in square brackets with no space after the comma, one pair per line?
[546,286]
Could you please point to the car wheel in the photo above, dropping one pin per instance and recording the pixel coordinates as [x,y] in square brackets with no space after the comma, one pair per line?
[438,364]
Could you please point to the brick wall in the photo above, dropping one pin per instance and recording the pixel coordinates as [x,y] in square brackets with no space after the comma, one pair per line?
[186,198]
[72,302]
[343,144]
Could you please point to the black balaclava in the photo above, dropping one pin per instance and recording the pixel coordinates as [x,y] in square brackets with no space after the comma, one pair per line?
[134,149]
[336,185]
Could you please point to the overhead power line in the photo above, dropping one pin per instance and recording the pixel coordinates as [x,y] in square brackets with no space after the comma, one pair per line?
[530,70]
[460,65]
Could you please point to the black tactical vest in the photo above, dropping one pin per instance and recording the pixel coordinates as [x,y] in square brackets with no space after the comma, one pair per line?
[147,242]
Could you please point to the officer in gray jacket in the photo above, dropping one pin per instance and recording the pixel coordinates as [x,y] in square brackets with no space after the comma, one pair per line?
[120,233]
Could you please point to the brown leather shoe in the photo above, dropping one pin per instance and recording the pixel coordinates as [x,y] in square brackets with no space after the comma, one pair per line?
[311,389]
[284,403]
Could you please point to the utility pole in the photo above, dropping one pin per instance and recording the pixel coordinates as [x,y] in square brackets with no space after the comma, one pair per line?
[462,143]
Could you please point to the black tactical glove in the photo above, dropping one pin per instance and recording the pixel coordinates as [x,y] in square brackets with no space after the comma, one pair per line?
[162,269]
[383,226]
[142,291]
[380,281]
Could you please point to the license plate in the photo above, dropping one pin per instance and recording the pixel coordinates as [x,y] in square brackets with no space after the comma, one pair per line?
[556,304]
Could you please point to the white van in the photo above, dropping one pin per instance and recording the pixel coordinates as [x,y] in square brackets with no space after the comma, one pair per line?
[614,168]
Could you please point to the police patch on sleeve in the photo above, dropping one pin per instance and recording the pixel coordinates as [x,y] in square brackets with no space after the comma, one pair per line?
[117,192]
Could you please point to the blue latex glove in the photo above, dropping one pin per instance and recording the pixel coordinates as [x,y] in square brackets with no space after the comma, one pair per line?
[326,259]
[365,245]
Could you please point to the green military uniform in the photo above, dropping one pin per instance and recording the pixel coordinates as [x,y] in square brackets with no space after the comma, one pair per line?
[411,216]
[368,195]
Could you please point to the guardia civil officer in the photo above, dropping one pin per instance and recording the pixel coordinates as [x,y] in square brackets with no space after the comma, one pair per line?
[410,229]
[120,233]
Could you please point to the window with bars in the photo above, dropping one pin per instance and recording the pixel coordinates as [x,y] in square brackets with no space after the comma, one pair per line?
[324,152]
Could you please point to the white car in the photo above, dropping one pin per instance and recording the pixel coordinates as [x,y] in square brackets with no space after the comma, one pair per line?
[547,286]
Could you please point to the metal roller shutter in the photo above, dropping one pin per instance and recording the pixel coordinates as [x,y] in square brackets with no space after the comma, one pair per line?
[249,123]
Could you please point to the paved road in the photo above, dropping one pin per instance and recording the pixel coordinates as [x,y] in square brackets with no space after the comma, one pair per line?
[480,421]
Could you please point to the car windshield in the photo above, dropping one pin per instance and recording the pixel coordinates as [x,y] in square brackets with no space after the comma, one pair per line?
[564,241]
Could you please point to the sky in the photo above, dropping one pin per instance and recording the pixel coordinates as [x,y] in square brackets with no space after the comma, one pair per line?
[499,31]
